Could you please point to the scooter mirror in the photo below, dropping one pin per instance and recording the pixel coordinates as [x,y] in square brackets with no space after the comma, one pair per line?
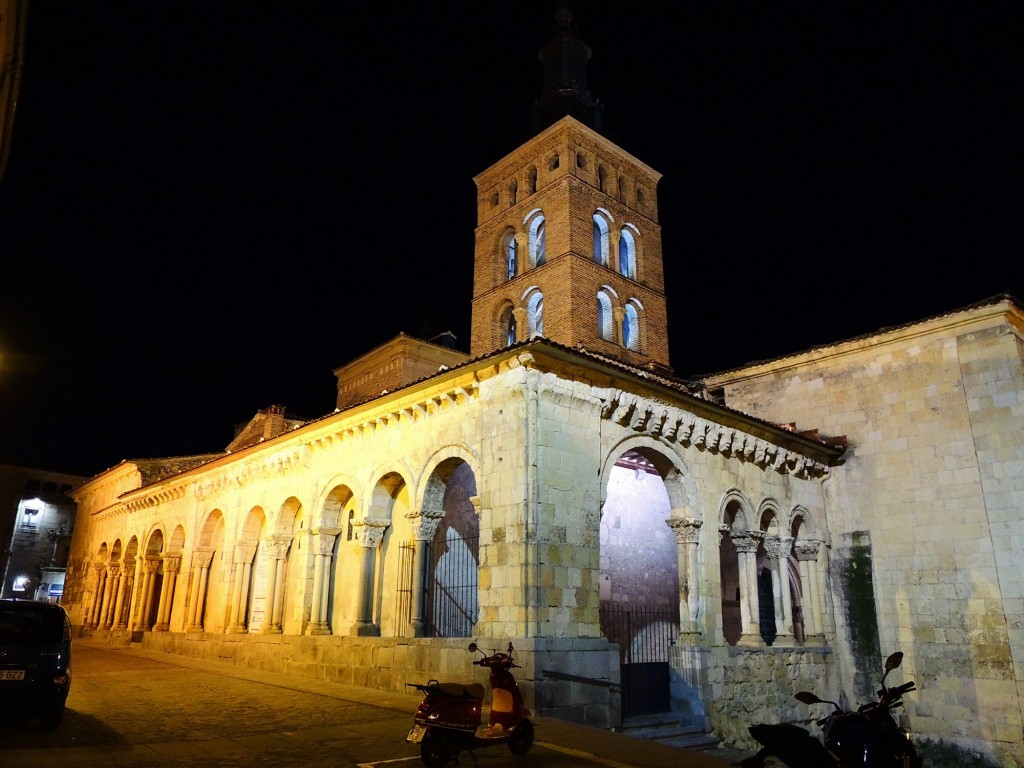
[472,647]
[894,661]
[807,697]
[510,646]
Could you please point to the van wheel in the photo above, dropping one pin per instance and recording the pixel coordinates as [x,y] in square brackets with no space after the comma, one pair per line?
[50,721]
[521,739]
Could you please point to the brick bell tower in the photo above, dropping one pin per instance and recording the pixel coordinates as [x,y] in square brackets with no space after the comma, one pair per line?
[568,244]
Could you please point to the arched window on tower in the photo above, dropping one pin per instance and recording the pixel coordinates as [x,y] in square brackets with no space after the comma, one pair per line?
[533,180]
[507,325]
[508,248]
[631,327]
[627,253]
[605,316]
[537,240]
[601,240]
[535,313]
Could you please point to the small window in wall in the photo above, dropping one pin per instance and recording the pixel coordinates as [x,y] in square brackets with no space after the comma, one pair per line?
[351,530]
[639,196]
[553,164]
[509,248]
[533,180]
[537,240]
[605,318]
[30,517]
[601,240]
[513,192]
[581,160]
[601,178]
[622,189]
[631,328]
[494,199]
[627,254]
[535,310]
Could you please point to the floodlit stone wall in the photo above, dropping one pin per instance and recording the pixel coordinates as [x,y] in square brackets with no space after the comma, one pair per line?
[932,495]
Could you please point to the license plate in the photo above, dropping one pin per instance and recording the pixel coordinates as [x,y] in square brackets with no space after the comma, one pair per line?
[416,734]
[12,674]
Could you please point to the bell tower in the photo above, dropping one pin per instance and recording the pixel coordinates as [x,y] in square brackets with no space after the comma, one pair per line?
[568,244]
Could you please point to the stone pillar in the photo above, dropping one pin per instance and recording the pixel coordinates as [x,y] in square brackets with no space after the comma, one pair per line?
[109,595]
[687,530]
[239,621]
[614,235]
[778,548]
[424,525]
[807,555]
[97,600]
[277,552]
[150,567]
[201,559]
[124,594]
[322,544]
[746,543]
[370,534]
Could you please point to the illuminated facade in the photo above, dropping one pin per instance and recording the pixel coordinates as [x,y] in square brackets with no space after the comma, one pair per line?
[789,522]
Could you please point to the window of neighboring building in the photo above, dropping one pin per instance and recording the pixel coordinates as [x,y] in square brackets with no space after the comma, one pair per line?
[508,326]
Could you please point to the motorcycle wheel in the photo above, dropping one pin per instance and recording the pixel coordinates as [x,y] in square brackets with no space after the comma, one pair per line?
[435,751]
[521,739]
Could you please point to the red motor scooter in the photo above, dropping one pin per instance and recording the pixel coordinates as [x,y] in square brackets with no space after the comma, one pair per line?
[448,720]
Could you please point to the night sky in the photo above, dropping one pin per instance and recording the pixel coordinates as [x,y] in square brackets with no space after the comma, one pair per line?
[209,207]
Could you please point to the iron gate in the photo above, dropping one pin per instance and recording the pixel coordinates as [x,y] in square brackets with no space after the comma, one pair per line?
[644,635]
[450,583]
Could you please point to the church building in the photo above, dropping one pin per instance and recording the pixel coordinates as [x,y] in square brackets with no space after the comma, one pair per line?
[696,551]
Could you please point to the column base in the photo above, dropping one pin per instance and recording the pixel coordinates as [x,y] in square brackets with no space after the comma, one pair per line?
[237,629]
[363,629]
[785,639]
[690,637]
[271,631]
[318,629]
[748,640]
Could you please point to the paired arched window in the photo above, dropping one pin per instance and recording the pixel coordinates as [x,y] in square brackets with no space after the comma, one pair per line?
[507,323]
[537,240]
[627,253]
[602,239]
[509,248]
[605,316]
[631,327]
[535,313]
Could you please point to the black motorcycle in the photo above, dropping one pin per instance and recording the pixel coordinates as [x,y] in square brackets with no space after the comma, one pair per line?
[868,738]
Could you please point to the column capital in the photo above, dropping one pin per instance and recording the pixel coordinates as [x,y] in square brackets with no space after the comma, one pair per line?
[245,552]
[322,540]
[807,549]
[778,547]
[172,561]
[370,533]
[746,541]
[424,523]
[113,569]
[202,557]
[686,529]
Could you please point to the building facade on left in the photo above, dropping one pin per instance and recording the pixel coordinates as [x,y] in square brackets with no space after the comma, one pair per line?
[37,518]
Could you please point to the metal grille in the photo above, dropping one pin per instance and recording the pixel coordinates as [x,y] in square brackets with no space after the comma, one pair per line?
[451,606]
[643,633]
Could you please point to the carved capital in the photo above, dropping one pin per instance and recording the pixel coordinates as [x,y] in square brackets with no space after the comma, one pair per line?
[277,546]
[322,540]
[245,552]
[113,569]
[152,564]
[746,541]
[686,529]
[424,523]
[807,550]
[201,557]
[172,562]
[370,533]
[778,547]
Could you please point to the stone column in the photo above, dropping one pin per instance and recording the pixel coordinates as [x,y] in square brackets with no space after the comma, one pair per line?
[109,595]
[239,621]
[97,600]
[424,525]
[150,567]
[171,567]
[124,595]
[201,559]
[322,544]
[687,530]
[614,235]
[746,543]
[778,548]
[277,552]
[807,555]
[370,534]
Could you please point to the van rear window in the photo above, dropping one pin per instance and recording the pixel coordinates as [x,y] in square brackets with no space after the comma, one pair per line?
[28,625]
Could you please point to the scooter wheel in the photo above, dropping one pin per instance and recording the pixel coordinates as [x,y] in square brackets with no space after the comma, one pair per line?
[521,739]
[435,751]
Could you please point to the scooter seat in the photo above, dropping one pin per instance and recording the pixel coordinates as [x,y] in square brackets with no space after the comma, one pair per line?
[460,690]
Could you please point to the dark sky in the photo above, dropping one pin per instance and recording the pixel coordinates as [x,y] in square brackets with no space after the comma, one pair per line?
[210,206]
